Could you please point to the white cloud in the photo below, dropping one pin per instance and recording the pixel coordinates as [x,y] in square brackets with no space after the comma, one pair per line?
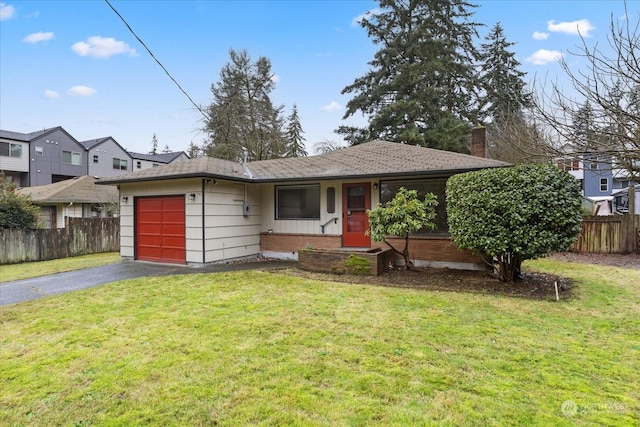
[38,37]
[51,94]
[102,47]
[6,11]
[81,91]
[544,56]
[582,27]
[539,35]
[358,19]
[333,106]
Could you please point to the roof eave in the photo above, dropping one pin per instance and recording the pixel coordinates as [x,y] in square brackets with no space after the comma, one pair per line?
[434,172]
[177,176]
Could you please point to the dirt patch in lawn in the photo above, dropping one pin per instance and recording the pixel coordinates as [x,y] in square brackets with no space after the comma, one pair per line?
[533,285]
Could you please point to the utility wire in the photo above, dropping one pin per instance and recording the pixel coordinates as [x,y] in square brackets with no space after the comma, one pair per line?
[156,59]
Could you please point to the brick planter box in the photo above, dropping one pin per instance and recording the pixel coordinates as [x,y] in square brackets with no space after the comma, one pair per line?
[344,261]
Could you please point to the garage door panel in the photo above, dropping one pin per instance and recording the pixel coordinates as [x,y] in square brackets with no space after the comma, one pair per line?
[173,229]
[148,228]
[151,217]
[150,240]
[150,204]
[160,229]
[173,241]
[175,217]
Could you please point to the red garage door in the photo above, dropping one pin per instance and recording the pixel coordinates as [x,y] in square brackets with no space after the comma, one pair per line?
[160,230]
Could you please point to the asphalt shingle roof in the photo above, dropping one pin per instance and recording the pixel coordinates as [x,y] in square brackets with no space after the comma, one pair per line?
[78,190]
[25,137]
[371,159]
[158,157]
[93,142]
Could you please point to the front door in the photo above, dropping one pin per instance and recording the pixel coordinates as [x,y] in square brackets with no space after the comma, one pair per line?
[356,199]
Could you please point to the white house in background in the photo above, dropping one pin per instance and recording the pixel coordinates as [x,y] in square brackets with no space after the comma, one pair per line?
[207,210]
[145,161]
[105,157]
[14,157]
[76,197]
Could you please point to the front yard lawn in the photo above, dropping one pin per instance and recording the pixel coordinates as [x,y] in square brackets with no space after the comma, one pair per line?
[270,349]
[9,273]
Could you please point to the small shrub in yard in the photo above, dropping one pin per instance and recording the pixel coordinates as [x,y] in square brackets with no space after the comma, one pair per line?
[16,211]
[514,214]
[402,215]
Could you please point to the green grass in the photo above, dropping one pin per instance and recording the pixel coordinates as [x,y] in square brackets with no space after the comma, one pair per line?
[27,270]
[269,349]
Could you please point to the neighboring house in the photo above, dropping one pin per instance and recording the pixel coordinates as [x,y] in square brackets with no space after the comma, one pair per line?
[14,157]
[76,197]
[146,161]
[621,201]
[599,179]
[207,210]
[49,156]
[105,157]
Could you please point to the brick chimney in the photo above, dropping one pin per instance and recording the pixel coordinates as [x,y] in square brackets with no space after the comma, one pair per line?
[479,141]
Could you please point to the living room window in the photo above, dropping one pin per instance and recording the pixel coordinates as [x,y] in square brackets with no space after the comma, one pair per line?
[298,201]
[437,186]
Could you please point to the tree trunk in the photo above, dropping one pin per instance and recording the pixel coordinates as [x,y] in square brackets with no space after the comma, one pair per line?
[408,264]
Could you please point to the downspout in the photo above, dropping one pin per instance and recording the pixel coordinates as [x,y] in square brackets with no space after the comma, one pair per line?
[204,257]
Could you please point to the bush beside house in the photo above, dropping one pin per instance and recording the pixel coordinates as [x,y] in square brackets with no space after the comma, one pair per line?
[514,214]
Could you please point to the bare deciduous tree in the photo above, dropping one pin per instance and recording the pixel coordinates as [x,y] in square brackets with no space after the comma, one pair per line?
[609,88]
[518,139]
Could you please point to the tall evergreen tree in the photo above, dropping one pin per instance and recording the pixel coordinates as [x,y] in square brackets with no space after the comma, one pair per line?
[154,145]
[295,141]
[241,115]
[422,85]
[504,90]
[193,151]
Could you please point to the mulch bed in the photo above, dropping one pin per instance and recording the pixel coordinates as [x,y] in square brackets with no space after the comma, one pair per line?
[536,286]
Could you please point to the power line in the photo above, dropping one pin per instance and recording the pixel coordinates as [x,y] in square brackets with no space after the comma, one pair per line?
[156,59]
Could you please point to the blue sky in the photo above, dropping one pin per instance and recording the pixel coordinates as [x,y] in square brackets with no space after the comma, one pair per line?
[75,64]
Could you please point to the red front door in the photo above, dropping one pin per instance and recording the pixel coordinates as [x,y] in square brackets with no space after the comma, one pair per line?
[356,199]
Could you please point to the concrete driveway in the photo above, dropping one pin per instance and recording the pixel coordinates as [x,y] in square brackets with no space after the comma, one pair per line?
[38,287]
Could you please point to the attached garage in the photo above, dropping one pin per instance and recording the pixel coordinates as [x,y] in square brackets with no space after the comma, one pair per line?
[160,229]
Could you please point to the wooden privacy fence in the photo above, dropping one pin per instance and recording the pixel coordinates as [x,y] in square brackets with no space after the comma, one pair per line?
[616,234]
[82,236]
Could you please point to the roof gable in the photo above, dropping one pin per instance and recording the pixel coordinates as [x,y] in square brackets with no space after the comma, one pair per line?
[93,143]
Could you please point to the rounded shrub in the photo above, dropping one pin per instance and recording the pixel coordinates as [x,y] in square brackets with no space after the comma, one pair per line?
[514,214]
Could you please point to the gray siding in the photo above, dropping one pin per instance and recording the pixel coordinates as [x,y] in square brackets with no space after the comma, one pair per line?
[100,159]
[49,161]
